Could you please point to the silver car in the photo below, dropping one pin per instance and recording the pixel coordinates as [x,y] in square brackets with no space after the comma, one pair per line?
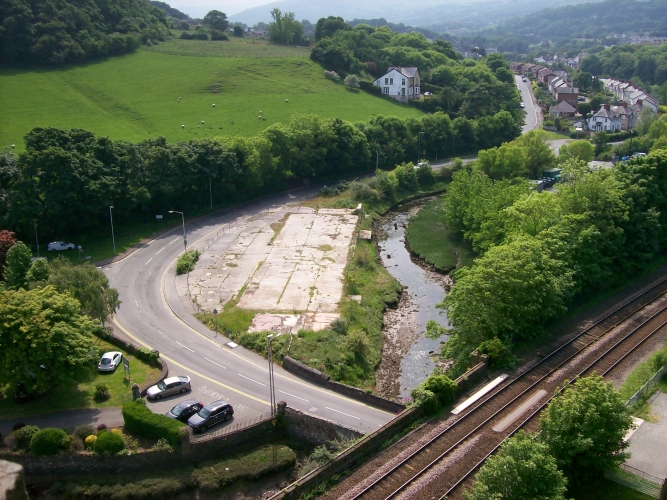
[169,386]
[110,361]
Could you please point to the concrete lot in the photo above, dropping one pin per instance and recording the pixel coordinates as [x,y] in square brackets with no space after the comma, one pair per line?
[649,441]
[296,267]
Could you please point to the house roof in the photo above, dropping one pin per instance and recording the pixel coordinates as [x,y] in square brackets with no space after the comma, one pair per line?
[562,107]
[409,71]
[567,90]
[604,113]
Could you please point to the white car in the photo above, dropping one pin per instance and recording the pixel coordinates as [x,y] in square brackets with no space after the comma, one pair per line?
[522,105]
[57,246]
[110,361]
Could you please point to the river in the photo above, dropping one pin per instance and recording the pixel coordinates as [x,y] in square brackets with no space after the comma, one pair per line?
[408,356]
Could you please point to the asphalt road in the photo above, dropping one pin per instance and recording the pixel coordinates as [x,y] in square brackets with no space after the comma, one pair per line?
[533,116]
[152,314]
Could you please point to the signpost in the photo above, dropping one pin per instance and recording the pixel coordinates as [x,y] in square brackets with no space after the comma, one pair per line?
[126,366]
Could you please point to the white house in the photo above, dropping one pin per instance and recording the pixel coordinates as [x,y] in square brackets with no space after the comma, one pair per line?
[605,119]
[400,83]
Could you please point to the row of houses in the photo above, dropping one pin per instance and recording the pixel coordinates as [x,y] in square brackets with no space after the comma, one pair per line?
[627,92]
[572,62]
[557,81]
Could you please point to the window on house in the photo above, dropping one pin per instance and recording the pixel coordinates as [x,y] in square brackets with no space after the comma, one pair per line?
[391,81]
[403,81]
[385,90]
[417,90]
[386,81]
[410,91]
[403,91]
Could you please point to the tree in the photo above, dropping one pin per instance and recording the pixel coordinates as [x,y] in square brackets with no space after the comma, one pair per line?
[352,81]
[17,266]
[39,272]
[216,20]
[285,29]
[522,469]
[600,141]
[88,285]
[539,156]
[7,240]
[327,27]
[579,150]
[238,31]
[43,338]
[584,428]
[505,162]
[584,109]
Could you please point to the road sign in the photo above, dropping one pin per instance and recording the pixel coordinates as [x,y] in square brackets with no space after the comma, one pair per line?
[126,366]
[158,217]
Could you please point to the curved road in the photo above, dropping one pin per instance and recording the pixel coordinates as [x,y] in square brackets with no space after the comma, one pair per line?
[152,314]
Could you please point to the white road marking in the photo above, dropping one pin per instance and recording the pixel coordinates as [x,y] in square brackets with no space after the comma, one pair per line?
[184,346]
[148,261]
[346,414]
[297,397]
[251,380]
[160,250]
[175,239]
[215,363]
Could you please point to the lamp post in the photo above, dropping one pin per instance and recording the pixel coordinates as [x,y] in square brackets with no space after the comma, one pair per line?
[34,222]
[215,320]
[272,391]
[185,241]
[113,237]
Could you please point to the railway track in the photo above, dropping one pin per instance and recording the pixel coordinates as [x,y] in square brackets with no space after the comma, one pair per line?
[600,347]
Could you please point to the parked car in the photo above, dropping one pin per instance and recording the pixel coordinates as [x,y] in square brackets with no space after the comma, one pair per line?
[183,411]
[169,386]
[581,98]
[522,105]
[523,79]
[109,361]
[211,414]
[57,246]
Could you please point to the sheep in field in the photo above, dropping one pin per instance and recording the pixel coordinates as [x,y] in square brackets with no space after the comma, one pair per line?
[213,105]
[286,100]
[182,126]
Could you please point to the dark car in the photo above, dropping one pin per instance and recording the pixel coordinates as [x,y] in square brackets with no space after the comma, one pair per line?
[211,414]
[22,395]
[183,411]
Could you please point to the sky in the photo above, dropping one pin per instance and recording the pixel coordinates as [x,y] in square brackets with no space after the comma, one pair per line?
[199,8]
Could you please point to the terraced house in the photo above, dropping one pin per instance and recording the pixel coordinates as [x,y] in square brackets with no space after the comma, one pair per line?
[400,83]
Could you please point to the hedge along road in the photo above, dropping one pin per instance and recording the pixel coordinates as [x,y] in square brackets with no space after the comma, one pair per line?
[152,314]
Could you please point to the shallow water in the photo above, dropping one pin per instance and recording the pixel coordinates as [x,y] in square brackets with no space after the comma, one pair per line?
[425,290]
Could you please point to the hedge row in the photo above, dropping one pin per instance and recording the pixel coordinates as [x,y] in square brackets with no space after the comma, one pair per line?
[141,421]
[370,87]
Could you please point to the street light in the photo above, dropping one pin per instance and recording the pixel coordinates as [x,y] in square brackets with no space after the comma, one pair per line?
[185,241]
[113,237]
[215,320]
[272,390]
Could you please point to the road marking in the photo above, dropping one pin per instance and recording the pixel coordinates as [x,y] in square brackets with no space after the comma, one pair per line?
[183,346]
[161,250]
[251,380]
[176,363]
[297,397]
[346,414]
[215,363]
[148,261]
[175,239]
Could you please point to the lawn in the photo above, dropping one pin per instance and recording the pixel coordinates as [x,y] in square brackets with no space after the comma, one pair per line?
[135,97]
[434,242]
[79,393]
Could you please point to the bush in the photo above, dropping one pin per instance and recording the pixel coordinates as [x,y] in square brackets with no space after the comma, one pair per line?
[90,441]
[500,355]
[102,392]
[83,431]
[219,36]
[109,443]
[186,262]
[101,428]
[320,456]
[162,444]
[24,435]
[141,421]
[48,441]
[424,399]
[147,355]
[434,393]
[370,87]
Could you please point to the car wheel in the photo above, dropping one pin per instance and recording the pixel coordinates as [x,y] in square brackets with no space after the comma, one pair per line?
[228,417]
[157,397]
[184,390]
[203,428]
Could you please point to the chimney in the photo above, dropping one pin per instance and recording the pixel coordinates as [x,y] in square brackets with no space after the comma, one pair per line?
[640,102]
[606,106]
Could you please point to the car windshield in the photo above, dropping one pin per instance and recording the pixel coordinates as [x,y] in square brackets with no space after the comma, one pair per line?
[204,413]
[161,385]
[179,409]
[106,361]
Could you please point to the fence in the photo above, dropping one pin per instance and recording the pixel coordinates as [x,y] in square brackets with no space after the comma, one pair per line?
[653,486]
[646,389]
[228,429]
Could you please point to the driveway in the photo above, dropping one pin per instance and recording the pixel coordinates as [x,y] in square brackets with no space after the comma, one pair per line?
[649,442]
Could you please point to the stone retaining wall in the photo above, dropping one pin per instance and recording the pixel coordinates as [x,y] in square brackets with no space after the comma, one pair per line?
[319,378]
[314,430]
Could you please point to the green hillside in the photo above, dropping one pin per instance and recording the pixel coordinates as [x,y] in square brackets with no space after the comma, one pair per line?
[135,96]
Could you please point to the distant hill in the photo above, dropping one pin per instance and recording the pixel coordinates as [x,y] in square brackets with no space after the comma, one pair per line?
[168,9]
[70,31]
[590,20]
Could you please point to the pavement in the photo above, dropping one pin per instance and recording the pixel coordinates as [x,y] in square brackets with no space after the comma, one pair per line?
[649,442]
[68,419]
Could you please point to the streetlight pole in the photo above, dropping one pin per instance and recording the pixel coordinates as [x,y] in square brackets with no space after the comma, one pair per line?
[272,391]
[113,237]
[419,147]
[36,239]
[185,241]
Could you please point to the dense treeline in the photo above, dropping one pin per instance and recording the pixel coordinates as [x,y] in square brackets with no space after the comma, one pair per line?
[591,20]
[47,32]
[460,87]
[541,252]
[66,179]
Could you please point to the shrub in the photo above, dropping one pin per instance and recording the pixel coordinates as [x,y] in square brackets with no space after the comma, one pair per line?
[162,444]
[109,443]
[101,428]
[147,355]
[424,399]
[102,392]
[24,435]
[141,421]
[90,441]
[320,456]
[332,75]
[186,262]
[83,431]
[434,393]
[500,355]
[48,441]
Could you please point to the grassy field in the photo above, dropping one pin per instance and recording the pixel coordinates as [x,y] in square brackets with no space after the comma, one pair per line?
[135,97]
[434,243]
[79,393]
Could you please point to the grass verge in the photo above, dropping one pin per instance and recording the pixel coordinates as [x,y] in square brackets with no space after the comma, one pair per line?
[434,243]
[79,392]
